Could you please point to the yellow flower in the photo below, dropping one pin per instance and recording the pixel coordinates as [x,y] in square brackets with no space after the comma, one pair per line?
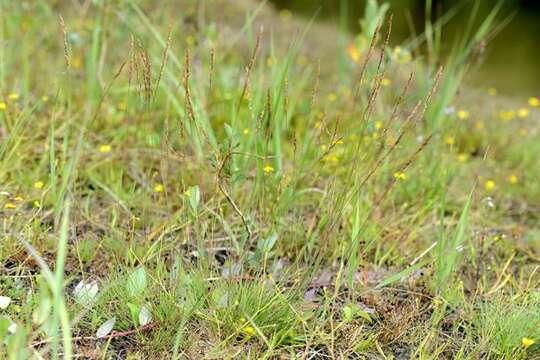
[10,206]
[463,114]
[492,91]
[105,148]
[246,131]
[354,53]
[44,98]
[18,198]
[285,15]
[399,175]
[507,115]
[378,125]
[332,97]
[190,40]
[37,204]
[527,342]
[249,330]
[3,105]
[479,125]
[513,179]
[534,101]
[450,140]
[401,56]
[463,157]
[268,169]
[386,82]
[331,158]
[523,113]
[39,184]
[13,96]
[158,188]
[490,185]
[339,142]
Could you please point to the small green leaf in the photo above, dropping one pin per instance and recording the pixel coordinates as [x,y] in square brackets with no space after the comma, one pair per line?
[136,283]
[194,198]
[134,312]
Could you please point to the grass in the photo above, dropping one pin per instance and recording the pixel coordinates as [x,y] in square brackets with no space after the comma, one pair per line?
[196,185]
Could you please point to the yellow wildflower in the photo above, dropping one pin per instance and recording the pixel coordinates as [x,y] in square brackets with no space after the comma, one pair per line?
[3,105]
[534,101]
[378,125]
[158,188]
[332,97]
[507,115]
[463,157]
[463,114]
[285,15]
[354,53]
[249,330]
[39,184]
[105,148]
[401,56]
[18,198]
[190,40]
[246,131]
[490,185]
[44,98]
[268,169]
[331,158]
[386,82]
[450,140]
[527,342]
[492,91]
[13,96]
[479,125]
[523,113]
[400,175]
[339,142]
[37,204]
[10,206]
[513,179]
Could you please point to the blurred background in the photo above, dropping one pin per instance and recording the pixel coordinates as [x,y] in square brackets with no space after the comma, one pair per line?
[510,61]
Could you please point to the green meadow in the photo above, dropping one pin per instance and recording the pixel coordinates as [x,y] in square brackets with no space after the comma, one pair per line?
[222,180]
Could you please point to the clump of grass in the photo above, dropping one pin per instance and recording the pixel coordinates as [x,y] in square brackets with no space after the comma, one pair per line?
[227,197]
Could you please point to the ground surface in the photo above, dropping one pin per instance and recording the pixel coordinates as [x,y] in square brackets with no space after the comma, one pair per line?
[219,180]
